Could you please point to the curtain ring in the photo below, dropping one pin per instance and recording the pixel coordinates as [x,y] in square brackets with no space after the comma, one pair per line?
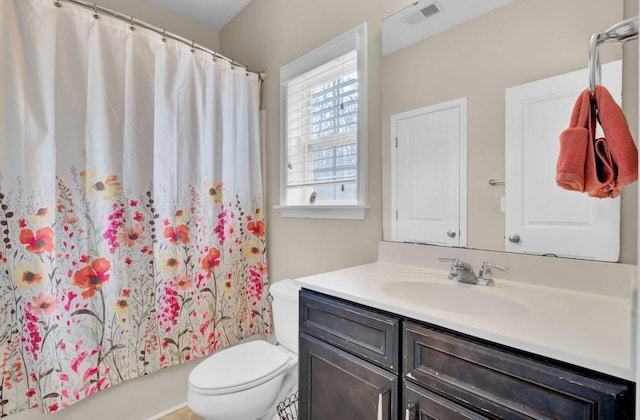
[215,57]
[193,44]
[247,71]
[132,27]
[95,11]
[164,36]
[57,4]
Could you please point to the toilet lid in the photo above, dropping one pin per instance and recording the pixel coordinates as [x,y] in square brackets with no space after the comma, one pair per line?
[238,368]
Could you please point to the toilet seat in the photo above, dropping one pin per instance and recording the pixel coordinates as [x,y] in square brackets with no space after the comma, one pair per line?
[238,368]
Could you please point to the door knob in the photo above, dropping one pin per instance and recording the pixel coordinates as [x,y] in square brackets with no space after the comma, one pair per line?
[515,238]
[451,233]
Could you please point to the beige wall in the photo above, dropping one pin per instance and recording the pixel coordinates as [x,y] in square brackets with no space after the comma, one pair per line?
[267,35]
[518,43]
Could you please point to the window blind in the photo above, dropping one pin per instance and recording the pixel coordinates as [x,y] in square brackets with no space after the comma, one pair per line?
[322,130]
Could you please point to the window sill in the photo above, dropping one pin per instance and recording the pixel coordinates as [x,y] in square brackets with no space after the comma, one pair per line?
[355,212]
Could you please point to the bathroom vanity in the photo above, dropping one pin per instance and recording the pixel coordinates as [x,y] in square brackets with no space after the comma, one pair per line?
[371,350]
[357,362]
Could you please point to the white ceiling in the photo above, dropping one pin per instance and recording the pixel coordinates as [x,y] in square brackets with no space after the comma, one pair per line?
[214,14]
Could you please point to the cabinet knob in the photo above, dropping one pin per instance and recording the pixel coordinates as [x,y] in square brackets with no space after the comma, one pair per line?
[451,233]
[515,238]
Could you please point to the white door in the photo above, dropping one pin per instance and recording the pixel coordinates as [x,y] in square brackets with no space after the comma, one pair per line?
[542,218]
[429,174]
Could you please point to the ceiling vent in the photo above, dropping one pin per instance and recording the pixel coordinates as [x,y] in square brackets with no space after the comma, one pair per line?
[430,10]
[422,14]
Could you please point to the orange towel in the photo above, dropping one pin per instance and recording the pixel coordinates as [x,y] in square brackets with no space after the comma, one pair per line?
[574,144]
[618,138]
[601,170]
[599,167]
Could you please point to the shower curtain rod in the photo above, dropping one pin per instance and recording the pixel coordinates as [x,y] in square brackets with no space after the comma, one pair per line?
[165,34]
[619,33]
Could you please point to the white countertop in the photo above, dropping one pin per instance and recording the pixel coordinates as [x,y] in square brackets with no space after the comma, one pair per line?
[584,329]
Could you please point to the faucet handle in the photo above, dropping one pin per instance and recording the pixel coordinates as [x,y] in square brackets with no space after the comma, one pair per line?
[453,270]
[485,271]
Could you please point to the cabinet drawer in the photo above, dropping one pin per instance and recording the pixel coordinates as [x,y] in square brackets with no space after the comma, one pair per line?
[503,383]
[374,337]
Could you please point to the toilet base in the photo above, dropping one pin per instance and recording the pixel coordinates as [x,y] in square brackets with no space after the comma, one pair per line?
[288,388]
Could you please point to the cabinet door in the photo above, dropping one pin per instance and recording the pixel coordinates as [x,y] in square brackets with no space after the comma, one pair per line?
[420,404]
[336,385]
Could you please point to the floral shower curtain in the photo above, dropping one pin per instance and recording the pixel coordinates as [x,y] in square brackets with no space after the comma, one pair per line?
[131,224]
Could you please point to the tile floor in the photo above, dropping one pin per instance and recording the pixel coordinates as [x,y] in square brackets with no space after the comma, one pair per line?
[183,414]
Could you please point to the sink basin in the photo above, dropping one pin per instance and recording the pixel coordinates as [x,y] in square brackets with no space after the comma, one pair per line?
[445,295]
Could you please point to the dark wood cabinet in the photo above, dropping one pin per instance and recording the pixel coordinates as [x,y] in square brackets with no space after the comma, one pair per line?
[349,361]
[360,363]
[340,386]
[501,383]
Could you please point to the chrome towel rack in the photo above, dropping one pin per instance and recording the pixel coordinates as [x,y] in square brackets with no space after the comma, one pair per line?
[619,33]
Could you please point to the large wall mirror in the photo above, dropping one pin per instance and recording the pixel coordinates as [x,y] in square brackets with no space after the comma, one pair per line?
[480,59]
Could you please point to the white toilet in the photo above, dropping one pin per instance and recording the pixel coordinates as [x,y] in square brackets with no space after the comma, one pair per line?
[247,381]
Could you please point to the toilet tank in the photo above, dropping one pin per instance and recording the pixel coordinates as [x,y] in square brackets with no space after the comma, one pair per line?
[285,313]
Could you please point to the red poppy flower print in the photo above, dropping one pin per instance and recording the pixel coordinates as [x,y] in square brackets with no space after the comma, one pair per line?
[179,235]
[257,228]
[41,241]
[132,235]
[211,261]
[92,277]
[181,282]
[45,304]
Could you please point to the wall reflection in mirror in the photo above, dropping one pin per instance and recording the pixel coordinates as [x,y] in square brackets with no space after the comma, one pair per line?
[496,88]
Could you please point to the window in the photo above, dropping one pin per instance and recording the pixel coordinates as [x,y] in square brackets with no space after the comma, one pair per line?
[336,165]
[323,122]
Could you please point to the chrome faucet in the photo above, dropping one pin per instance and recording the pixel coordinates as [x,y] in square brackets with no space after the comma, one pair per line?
[460,271]
[485,277]
[463,272]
